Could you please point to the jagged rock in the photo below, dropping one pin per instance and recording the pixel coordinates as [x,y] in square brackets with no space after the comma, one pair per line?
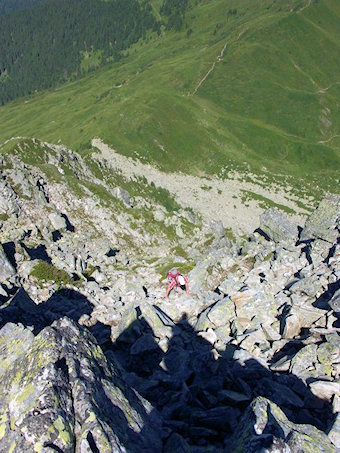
[6,269]
[123,195]
[203,322]
[319,251]
[264,427]
[277,226]
[322,223]
[177,444]
[160,324]
[8,200]
[209,335]
[256,303]
[303,363]
[290,325]
[271,331]
[127,319]
[58,222]
[298,317]
[282,364]
[59,391]
[222,312]
[334,433]
[180,306]
[310,286]
[324,389]
[255,342]
[334,303]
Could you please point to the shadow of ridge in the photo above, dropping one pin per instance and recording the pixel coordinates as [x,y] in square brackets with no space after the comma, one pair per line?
[22,309]
[202,398]
[199,398]
[138,435]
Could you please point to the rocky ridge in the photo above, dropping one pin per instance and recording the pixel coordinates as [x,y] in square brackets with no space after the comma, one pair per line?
[96,360]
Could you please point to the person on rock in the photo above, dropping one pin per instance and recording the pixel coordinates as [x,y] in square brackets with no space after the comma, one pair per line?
[177,280]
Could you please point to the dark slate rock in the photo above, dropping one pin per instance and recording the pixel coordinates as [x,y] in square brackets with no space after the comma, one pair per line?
[177,444]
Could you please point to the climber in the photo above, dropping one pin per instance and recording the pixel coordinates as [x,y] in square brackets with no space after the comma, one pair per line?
[177,280]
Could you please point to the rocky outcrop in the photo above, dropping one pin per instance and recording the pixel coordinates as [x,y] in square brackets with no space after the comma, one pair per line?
[59,393]
[277,226]
[95,359]
[324,222]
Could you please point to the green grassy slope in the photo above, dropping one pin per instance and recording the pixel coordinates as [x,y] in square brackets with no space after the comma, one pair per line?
[270,101]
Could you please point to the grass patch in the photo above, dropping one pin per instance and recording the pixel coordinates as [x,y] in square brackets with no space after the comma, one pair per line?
[4,217]
[264,202]
[45,272]
[230,235]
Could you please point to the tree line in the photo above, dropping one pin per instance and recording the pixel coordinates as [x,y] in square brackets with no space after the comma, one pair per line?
[8,6]
[174,10]
[44,45]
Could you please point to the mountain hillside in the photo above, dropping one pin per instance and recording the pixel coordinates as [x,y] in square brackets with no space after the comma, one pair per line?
[8,6]
[95,358]
[56,41]
[236,86]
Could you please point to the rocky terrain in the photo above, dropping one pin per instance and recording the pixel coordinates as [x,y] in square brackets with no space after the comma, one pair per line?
[94,359]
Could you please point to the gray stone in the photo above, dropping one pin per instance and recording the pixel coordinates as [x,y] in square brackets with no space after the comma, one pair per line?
[222,312]
[325,390]
[334,433]
[310,286]
[6,269]
[303,363]
[123,195]
[334,303]
[322,223]
[265,424]
[57,387]
[277,226]
[58,222]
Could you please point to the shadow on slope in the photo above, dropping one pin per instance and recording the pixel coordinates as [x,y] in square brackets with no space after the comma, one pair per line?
[202,393]
[22,309]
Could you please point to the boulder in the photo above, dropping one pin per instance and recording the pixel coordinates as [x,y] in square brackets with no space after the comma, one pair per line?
[123,195]
[334,303]
[6,269]
[57,221]
[334,433]
[58,391]
[325,390]
[303,363]
[310,286]
[222,312]
[276,225]
[264,427]
[322,223]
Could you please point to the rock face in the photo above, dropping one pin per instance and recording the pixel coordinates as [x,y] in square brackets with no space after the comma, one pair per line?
[6,269]
[277,226]
[265,427]
[93,358]
[59,393]
[323,223]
